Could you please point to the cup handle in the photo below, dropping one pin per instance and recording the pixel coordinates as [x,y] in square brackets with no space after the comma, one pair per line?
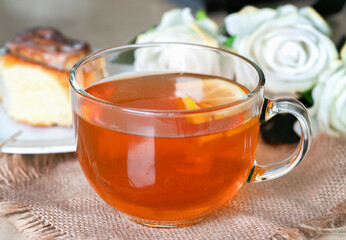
[270,109]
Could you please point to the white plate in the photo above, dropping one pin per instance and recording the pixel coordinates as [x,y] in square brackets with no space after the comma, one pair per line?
[34,140]
[38,140]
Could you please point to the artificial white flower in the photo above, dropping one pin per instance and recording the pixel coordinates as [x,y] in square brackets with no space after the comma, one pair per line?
[329,95]
[290,45]
[178,25]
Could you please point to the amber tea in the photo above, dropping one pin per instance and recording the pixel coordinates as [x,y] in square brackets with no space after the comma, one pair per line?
[160,178]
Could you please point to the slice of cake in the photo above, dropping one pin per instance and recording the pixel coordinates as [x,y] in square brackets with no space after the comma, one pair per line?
[34,73]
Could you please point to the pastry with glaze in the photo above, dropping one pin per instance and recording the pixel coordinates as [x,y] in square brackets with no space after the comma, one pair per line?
[34,74]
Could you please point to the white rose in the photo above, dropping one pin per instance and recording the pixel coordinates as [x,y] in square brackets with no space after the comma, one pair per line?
[291,46]
[329,95]
[178,25]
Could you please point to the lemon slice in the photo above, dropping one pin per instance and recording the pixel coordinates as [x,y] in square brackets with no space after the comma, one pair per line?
[189,104]
[187,101]
[209,92]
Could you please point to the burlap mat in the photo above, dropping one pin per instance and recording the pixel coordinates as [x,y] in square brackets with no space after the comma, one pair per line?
[47,197]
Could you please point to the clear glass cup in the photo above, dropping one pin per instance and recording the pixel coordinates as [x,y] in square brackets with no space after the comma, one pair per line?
[170,168]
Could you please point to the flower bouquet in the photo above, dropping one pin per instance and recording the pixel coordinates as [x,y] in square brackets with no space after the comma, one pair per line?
[292,46]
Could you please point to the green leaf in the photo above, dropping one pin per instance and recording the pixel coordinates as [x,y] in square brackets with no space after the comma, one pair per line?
[127,57]
[152,28]
[307,96]
[273,5]
[229,41]
[201,14]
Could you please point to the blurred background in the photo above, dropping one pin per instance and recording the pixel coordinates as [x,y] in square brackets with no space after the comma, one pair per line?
[106,23]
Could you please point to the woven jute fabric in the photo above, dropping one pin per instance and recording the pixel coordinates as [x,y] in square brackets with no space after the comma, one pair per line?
[47,197]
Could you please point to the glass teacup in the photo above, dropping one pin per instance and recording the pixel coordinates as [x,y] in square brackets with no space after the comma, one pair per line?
[167,132]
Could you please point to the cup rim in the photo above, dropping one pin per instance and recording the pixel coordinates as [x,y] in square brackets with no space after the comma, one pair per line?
[75,86]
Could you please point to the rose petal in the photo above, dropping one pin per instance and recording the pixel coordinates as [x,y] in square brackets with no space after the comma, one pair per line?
[338,112]
[316,19]
[329,97]
[343,53]
[179,26]
[175,17]
[325,113]
[288,70]
[287,9]
[247,20]
[208,26]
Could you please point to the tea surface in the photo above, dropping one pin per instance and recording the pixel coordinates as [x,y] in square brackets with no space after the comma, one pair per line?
[168,91]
